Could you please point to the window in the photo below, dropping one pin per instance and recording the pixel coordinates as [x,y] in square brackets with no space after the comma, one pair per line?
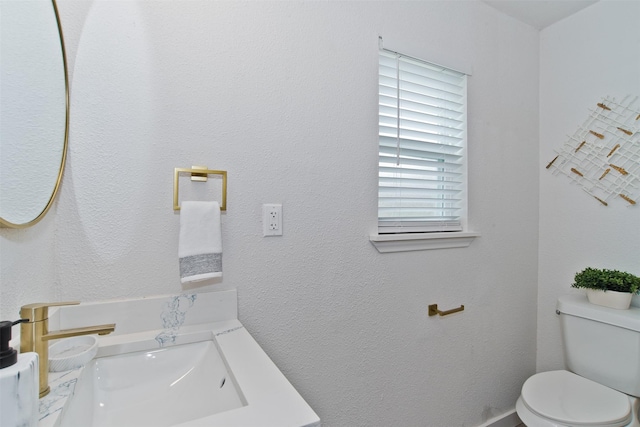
[422,138]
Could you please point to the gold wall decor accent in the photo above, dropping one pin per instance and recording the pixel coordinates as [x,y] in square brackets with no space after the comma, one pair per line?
[603,155]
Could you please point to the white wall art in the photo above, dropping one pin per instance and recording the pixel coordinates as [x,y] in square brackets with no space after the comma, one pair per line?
[603,155]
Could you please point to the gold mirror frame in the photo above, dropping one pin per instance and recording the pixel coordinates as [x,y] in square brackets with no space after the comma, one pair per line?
[4,222]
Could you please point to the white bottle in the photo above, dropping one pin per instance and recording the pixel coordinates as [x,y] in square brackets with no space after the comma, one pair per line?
[18,384]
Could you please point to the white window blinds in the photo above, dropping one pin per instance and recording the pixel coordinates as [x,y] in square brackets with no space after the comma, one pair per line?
[422,137]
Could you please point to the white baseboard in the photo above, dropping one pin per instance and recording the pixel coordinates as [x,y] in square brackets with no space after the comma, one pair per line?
[508,419]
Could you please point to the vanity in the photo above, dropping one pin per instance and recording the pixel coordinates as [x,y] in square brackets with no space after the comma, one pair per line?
[182,360]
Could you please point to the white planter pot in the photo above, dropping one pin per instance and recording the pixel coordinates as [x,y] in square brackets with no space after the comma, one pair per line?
[612,299]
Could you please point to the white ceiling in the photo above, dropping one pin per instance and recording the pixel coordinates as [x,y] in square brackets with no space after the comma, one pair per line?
[539,13]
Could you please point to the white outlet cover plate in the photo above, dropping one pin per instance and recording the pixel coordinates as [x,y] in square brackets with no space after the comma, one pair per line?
[271,219]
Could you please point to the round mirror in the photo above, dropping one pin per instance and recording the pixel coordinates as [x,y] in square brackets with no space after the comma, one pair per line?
[34,110]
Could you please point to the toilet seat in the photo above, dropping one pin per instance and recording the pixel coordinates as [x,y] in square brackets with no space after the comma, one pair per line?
[564,398]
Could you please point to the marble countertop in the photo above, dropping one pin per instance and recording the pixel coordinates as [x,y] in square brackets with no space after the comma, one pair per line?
[62,387]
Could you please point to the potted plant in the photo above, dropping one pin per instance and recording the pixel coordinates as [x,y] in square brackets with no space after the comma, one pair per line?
[611,288]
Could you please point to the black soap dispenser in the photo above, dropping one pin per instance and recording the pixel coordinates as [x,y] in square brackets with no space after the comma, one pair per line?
[8,356]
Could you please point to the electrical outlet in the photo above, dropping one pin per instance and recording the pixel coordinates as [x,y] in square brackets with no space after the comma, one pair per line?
[271,219]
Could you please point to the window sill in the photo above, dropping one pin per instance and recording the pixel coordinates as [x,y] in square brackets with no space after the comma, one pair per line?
[385,243]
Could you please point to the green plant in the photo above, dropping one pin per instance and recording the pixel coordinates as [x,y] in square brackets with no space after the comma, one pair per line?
[607,280]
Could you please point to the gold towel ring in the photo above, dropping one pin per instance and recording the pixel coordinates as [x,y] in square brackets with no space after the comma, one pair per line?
[199,173]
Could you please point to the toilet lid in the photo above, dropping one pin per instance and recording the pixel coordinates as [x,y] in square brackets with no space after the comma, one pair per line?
[576,401]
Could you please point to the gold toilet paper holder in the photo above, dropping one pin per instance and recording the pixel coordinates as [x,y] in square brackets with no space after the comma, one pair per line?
[433,310]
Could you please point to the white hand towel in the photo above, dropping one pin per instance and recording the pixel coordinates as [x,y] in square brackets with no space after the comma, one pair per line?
[200,246]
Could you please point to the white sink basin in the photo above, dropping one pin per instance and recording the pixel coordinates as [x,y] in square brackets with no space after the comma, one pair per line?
[156,388]
[179,361]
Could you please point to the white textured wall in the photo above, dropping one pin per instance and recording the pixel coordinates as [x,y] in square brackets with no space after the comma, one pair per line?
[584,58]
[283,95]
[27,267]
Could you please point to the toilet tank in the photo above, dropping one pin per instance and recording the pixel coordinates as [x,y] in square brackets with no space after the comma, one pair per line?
[600,343]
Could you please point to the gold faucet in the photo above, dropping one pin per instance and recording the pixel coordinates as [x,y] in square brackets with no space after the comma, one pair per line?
[34,335]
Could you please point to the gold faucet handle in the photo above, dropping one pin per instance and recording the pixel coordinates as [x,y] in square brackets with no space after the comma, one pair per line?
[40,310]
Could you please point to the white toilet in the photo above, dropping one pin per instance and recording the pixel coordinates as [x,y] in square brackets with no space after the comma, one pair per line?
[602,353]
